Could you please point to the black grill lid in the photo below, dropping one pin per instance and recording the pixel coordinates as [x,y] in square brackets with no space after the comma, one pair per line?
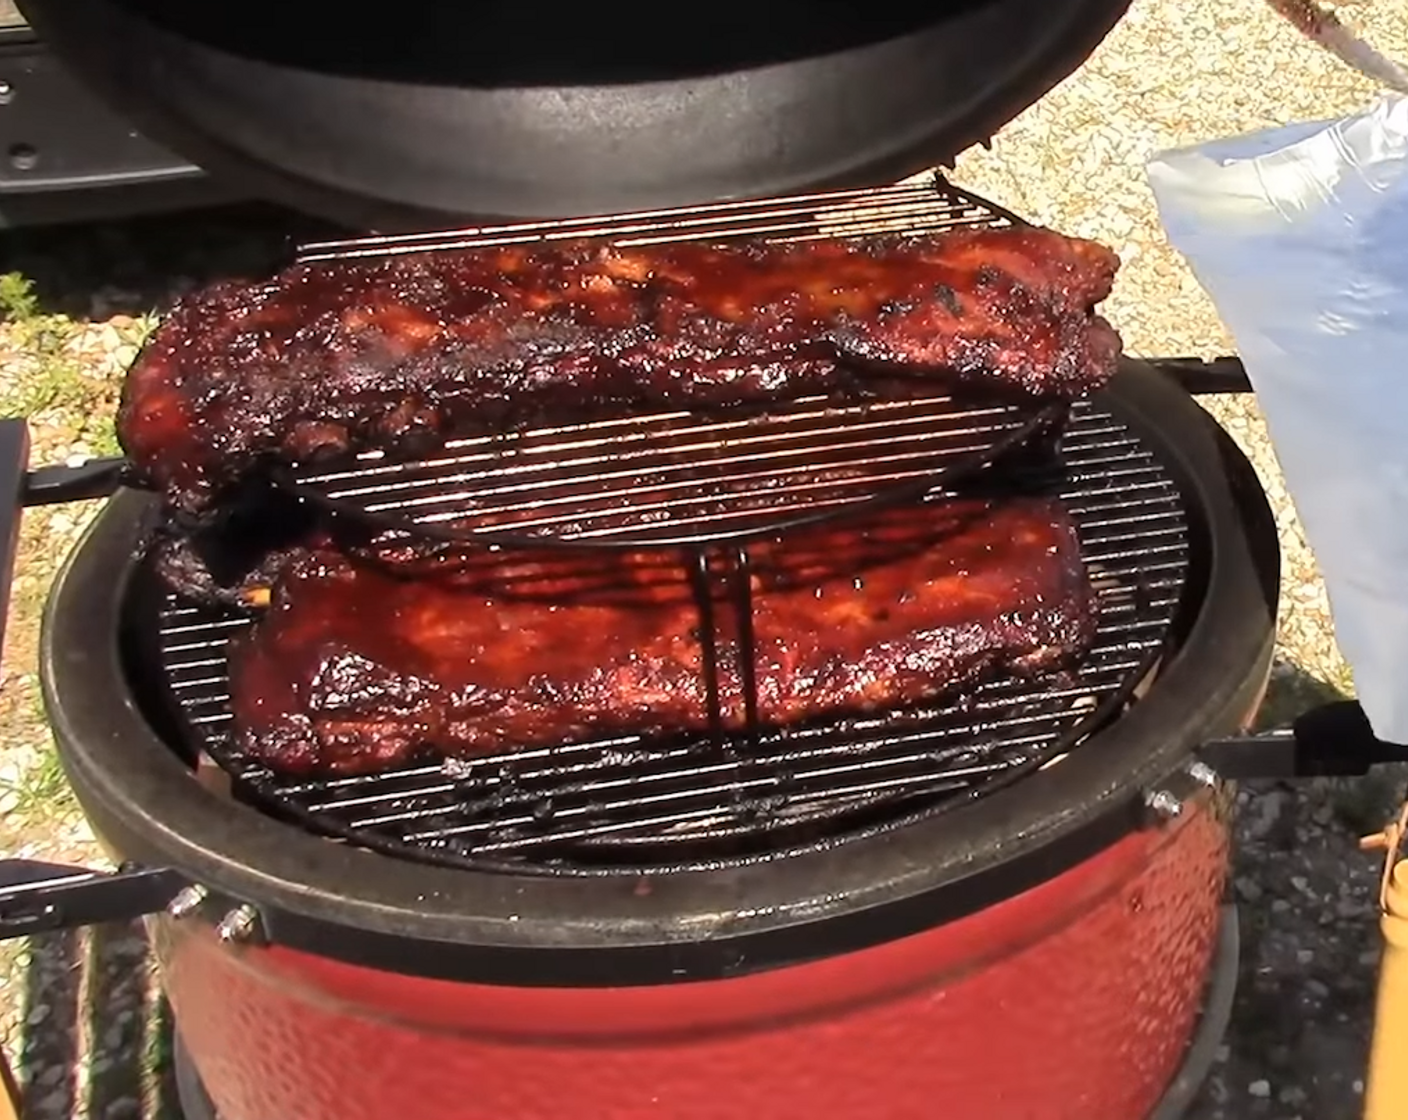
[432,113]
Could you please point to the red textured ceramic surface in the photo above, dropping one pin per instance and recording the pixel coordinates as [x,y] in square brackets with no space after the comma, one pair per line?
[1073,1001]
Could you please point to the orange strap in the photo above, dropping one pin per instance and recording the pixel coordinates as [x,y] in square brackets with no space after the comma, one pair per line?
[10,1097]
[1390,842]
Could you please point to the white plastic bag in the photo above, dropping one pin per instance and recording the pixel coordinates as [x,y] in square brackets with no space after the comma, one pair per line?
[1300,237]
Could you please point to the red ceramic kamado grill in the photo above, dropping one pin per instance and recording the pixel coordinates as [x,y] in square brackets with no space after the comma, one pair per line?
[1005,905]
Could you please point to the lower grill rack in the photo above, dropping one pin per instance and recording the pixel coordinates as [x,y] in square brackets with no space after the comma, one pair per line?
[631,804]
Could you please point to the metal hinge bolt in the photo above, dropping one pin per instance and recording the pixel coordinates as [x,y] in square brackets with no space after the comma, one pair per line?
[1203,774]
[187,901]
[1164,803]
[239,925]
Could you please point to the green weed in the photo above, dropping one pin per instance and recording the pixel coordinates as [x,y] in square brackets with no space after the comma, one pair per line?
[18,302]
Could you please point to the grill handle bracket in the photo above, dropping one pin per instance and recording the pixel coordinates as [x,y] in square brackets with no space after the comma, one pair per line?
[95,478]
[14,465]
[21,487]
[1330,741]
[1226,374]
[38,897]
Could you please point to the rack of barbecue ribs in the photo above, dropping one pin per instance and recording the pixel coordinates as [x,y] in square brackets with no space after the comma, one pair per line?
[355,668]
[396,352]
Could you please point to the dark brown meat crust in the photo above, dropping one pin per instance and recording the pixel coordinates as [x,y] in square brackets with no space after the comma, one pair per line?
[397,351]
[232,560]
[354,670]
[187,569]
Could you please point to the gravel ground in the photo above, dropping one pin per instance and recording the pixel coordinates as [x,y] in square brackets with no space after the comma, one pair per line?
[77,1012]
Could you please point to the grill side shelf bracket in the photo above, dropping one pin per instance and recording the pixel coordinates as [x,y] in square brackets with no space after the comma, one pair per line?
[1225,374]
[37,897]
[14,462]
[95,478]
[1331,741]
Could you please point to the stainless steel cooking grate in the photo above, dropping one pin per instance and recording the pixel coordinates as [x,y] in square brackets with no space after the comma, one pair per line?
[929,204]
[605,805]
[676,478]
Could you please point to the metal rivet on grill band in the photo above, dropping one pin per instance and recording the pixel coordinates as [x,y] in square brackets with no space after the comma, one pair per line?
[1163,802]
[24,157]
[187,901]
[239,925]
[1203,774]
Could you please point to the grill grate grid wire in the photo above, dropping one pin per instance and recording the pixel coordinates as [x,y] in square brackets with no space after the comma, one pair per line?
[673,478]
[628,805]
[928,203]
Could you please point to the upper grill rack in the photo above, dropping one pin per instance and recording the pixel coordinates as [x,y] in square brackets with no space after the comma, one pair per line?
[927,204]
[671,478]
[598,807]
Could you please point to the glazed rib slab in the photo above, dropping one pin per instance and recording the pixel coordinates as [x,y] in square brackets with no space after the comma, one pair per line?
[354,668]
[397,352]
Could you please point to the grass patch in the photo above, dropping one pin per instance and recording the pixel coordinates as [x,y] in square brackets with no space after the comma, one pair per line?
[18,303]
[41,789]
[63,375]
[35,796]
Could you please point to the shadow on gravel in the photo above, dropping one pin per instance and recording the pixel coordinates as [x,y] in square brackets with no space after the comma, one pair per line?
[1297,1046]
[95,270]
[97,1044]
[1290,692]
[49,1056]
